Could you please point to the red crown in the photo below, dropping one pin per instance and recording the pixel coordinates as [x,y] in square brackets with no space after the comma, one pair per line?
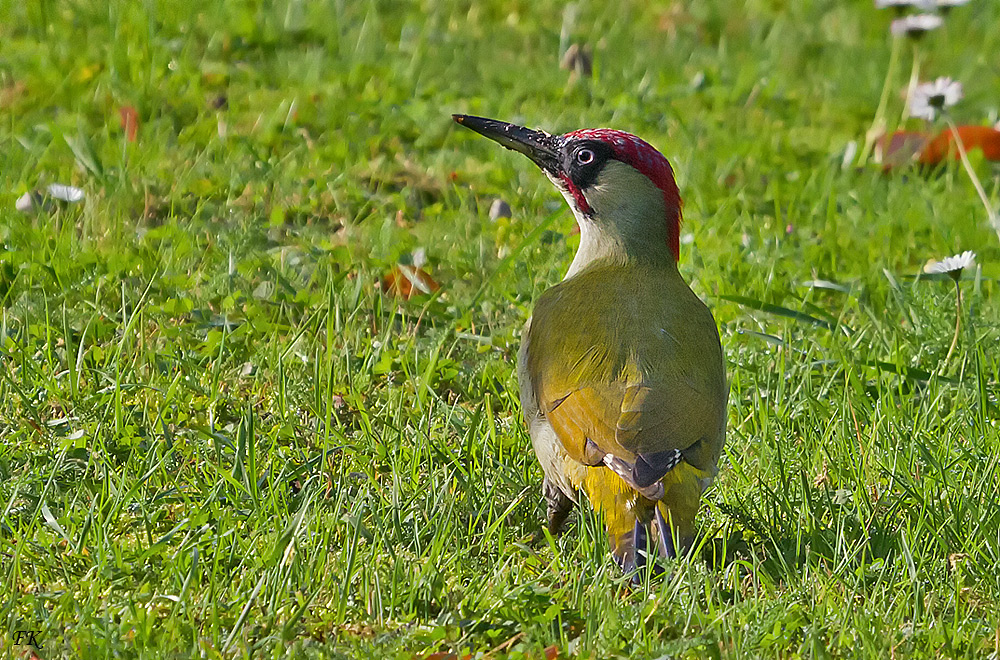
[641,155]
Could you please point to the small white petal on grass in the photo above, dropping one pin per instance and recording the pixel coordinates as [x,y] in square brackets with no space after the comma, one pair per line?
[930,98]
[65,193]
[951,265]
[25,203]
[499,209]
[850,152]
[915,25]
[420,257]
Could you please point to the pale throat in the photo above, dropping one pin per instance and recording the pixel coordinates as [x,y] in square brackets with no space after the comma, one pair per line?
[629,220]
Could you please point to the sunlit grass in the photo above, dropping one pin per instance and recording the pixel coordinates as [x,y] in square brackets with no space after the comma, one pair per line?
[219,438]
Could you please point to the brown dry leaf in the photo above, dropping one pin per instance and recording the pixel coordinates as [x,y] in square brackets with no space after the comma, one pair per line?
[10,94]
[673,18]
[955,559]
[405,282]
[900,148]
[129,118]
[822,477]
[578,61]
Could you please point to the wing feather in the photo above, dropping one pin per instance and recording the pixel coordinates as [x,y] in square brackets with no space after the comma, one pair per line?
[646,395]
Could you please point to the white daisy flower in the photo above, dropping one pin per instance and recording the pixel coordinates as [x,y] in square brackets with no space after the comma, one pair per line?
[930,98]
[64,193]
[952,266]
[916,25]
[34,200]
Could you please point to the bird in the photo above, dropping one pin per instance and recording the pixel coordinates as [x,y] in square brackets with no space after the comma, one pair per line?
[621,371]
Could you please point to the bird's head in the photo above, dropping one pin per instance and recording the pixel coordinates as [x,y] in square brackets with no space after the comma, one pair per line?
[622,190]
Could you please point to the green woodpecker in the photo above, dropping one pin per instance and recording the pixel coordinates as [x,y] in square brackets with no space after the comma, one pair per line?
[622,379]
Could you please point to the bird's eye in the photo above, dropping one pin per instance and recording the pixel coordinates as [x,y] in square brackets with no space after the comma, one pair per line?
[585,156]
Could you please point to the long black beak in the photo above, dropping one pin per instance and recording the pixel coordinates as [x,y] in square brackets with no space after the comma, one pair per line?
[539,146]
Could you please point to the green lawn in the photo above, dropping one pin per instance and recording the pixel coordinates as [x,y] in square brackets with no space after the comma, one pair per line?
[219,438]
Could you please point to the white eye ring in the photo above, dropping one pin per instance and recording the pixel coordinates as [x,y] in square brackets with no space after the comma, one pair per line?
[585,156]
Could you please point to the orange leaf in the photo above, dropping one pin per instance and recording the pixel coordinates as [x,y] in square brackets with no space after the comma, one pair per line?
[985,138]
[552,652]
[129,117]
[408,281]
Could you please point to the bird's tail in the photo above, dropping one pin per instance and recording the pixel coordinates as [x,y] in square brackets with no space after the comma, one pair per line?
[628,517]
[615,501]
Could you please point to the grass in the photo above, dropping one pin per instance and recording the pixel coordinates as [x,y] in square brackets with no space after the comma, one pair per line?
[219,438]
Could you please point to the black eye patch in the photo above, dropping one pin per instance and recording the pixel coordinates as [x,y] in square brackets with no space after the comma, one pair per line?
[583,160]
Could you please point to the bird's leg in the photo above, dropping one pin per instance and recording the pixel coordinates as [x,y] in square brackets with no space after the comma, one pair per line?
[632,554]
[558,507]
[664,536]
[643,549]
[623,549]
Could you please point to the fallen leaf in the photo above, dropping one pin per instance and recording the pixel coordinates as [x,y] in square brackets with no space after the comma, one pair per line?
[10,94]
[129,117]
[901,148]
[904,147]
[674,18]
[578,61]
[408,281]
[984,138]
